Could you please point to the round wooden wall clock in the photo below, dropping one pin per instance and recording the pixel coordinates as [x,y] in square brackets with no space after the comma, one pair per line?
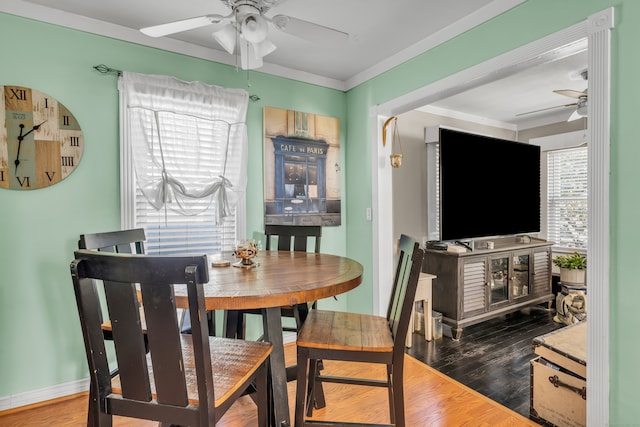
[41,142]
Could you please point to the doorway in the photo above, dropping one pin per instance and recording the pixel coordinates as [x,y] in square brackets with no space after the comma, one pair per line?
[597,31]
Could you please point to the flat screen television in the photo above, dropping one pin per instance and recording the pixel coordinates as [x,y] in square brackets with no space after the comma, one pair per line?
[488,186]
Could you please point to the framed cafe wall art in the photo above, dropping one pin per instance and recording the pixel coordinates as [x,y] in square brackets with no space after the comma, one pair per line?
[301,168]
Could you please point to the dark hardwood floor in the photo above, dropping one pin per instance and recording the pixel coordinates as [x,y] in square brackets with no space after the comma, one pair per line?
[491,357]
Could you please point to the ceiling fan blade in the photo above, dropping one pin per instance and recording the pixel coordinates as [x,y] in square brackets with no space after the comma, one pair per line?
[271,3]
[263,48]
[308,30]
[571,93]
[548,108]
[182,25]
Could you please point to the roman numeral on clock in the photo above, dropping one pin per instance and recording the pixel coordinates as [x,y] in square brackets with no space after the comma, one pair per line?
[19,94]
[67,161]
[24,182]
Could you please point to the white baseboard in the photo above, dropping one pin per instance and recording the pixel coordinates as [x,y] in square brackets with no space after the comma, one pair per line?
[43,394]
[66,389]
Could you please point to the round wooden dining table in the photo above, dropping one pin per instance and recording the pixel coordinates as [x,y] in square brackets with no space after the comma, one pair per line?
[279,278]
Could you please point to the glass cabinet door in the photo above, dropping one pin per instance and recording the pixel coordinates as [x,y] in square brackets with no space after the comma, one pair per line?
[520,278]
[499,279]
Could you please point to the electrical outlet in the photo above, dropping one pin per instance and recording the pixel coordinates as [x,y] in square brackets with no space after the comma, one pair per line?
[368,214]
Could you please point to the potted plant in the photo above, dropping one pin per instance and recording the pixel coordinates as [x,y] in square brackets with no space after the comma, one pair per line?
[572,268]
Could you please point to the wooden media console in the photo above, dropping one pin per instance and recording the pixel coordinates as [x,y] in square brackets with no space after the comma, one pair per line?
[473,286]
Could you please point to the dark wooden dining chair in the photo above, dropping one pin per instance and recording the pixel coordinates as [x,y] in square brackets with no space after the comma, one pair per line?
[184,379]
[294,237]
[290,238]
[120,241]
[330,335]
[130,242]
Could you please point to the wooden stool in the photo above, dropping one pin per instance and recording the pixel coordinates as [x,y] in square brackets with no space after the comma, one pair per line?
[423,293]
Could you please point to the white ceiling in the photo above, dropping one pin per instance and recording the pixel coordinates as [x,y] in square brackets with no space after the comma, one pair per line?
[383,33]
[513,102]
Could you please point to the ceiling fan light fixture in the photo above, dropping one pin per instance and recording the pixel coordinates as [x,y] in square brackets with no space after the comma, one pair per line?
[582,107]
[280,21]
[226,37]
[580,111]
[254,28]
[263,48]
[249,60]
[574,116]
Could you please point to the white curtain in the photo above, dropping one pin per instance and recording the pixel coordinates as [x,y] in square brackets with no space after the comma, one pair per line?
[172,129]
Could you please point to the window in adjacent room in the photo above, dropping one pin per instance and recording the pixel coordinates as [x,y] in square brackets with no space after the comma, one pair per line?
[567,198]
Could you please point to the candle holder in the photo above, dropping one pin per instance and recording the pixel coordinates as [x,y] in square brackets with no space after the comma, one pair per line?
[245,250]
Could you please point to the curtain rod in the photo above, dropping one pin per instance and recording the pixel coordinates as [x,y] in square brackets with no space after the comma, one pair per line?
[108,70]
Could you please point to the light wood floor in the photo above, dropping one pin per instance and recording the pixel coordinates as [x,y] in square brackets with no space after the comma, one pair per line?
[431,399]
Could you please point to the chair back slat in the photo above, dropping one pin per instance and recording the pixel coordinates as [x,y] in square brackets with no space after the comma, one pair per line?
[122,306]
[296,234]
[90,313]
[405,284]
[200,333]
[163,334]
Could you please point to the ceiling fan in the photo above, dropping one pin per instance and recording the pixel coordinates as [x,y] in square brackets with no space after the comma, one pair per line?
[248,27]
[580,104]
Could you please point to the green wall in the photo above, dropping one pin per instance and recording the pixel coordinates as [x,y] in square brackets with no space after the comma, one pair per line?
[41,342]
[38,324]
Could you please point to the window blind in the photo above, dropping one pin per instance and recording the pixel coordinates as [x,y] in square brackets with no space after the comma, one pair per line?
[179,235]
[567,198]
[190,228]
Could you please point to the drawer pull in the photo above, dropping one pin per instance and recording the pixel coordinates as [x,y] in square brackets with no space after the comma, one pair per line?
[557,383]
